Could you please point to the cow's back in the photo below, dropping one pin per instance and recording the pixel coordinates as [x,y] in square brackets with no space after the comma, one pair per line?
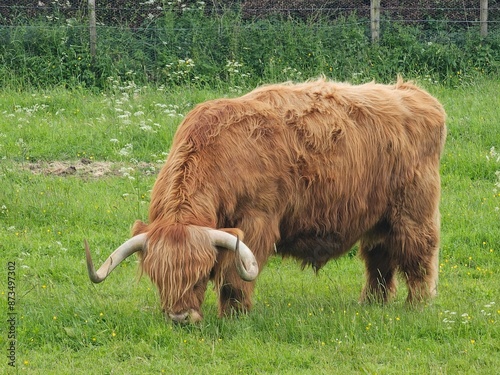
[354,148]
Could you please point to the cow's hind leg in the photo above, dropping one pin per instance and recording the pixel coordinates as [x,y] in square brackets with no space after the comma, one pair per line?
[415,224]
[419,263]
[412,251]
[414,237]
[380,268]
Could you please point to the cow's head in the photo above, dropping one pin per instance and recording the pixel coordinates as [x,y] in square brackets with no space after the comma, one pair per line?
[179,260]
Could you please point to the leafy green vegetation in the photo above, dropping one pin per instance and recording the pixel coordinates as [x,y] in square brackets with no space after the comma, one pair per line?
[78,164]
[189,47]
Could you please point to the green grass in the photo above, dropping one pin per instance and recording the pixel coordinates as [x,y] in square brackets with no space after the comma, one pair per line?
[300,324]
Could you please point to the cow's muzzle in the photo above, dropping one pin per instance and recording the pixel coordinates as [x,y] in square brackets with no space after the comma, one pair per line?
[190,316]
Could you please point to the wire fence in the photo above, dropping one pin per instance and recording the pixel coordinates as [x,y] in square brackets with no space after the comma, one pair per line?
[141,13]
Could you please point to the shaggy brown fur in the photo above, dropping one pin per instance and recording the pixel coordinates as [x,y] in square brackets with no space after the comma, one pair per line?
[311,167]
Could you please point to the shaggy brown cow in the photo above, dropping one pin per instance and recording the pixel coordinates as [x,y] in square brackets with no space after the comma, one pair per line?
[304,170]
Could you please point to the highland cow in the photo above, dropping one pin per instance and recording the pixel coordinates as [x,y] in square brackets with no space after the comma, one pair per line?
[304,170]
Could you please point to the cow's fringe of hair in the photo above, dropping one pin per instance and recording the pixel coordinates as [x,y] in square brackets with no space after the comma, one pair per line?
[176,259]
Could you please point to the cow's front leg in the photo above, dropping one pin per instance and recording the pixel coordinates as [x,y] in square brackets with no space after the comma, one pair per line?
[235,295]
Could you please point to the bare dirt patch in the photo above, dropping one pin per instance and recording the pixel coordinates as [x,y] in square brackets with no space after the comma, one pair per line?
[88,168]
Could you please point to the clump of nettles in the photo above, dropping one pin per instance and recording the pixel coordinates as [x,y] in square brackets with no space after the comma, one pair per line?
[494,155]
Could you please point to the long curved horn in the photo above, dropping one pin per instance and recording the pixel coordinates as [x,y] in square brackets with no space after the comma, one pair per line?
[129,247]
[246,264]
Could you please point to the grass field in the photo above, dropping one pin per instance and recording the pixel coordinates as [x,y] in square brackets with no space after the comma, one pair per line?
[77,165]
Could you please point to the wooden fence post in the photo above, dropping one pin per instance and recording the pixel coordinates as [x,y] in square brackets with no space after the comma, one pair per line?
[483,18]
[92,28]
[375,20]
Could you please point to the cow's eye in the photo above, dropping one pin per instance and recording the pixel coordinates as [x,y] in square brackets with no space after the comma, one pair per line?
[200,284]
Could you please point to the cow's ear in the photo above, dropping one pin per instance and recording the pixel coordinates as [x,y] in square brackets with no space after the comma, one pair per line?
[235,232]
[139,227]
